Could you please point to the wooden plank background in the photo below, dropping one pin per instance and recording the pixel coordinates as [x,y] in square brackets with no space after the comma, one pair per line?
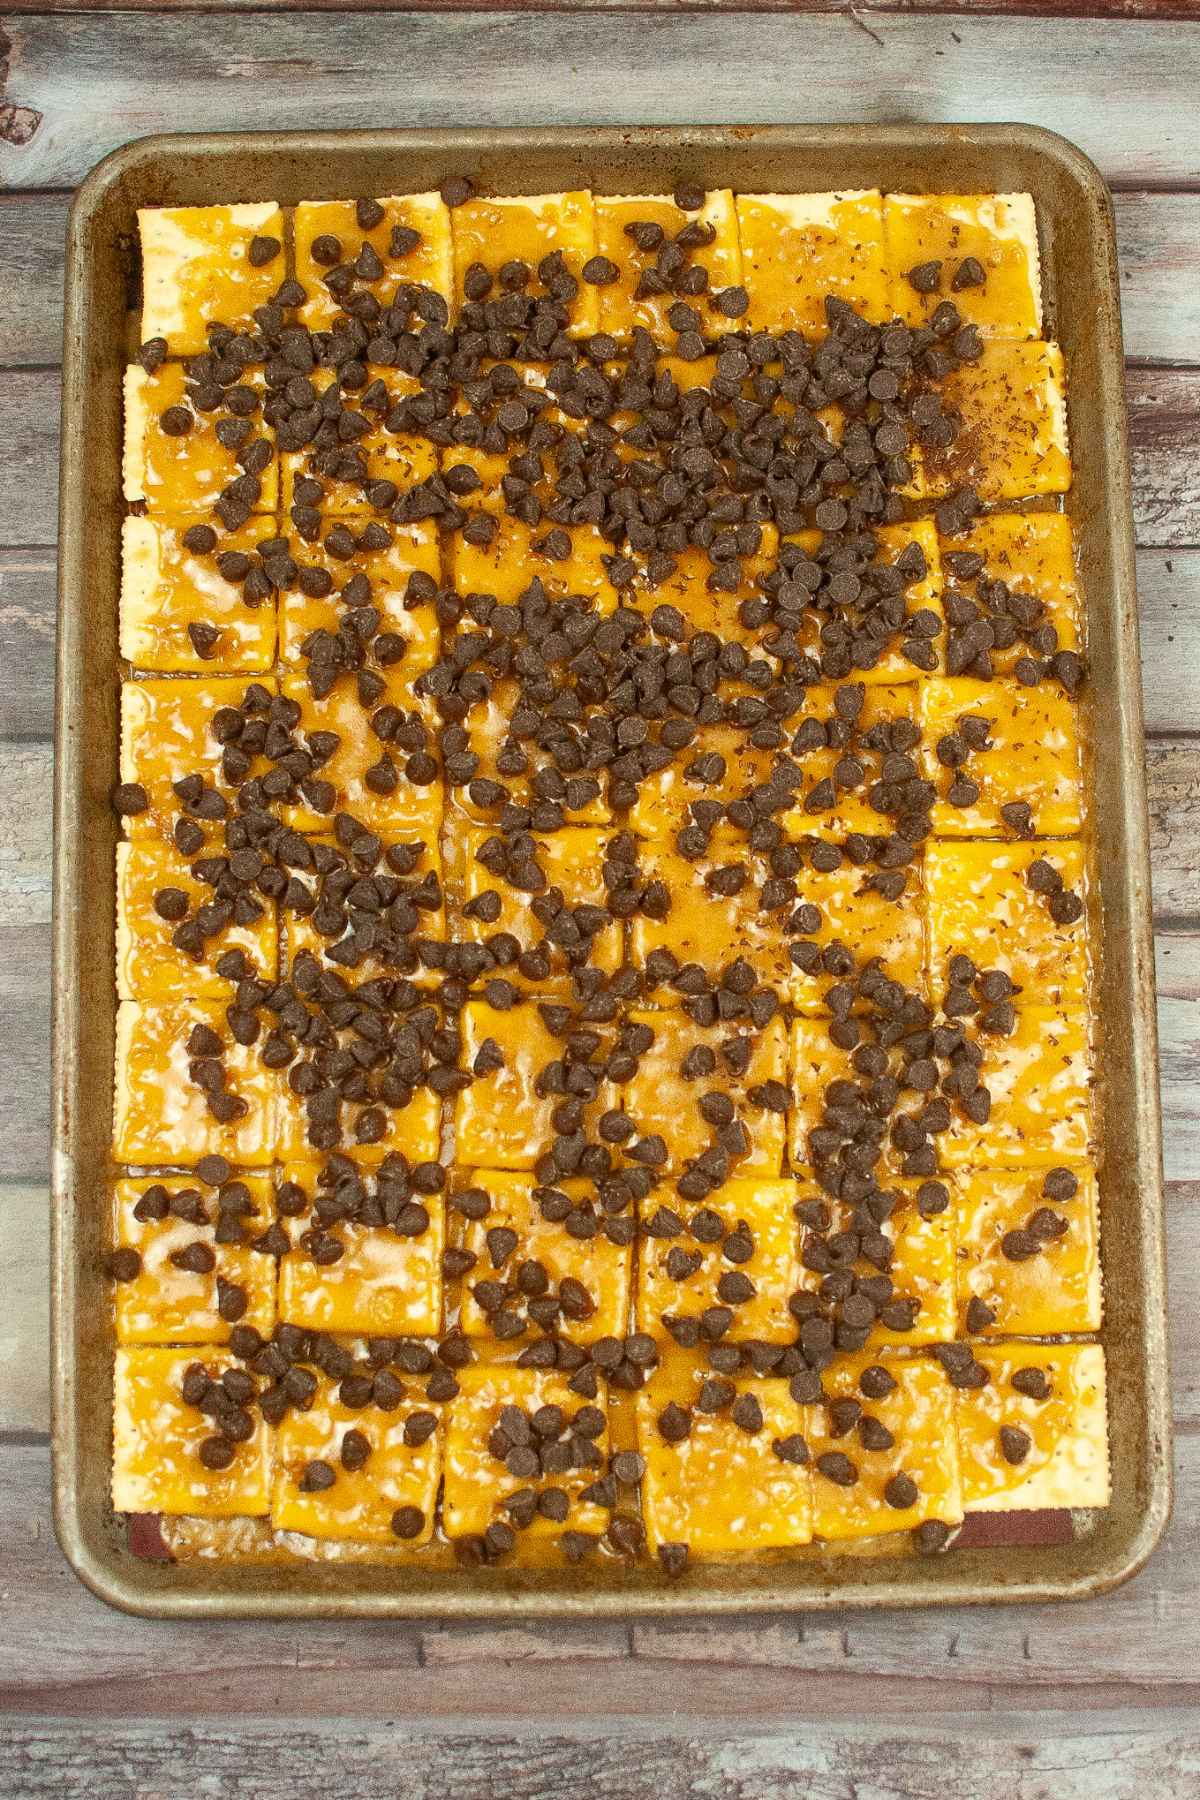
[1093,1700]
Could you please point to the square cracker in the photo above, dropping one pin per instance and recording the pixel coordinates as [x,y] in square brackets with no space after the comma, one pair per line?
[799,248]
[1066,1464]
[721,1488]
[157,1438]
[160,1115]
[998,230]
[165,588]
[196,269]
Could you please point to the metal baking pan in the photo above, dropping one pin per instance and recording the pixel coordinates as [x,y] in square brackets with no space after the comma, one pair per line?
[1097,1550]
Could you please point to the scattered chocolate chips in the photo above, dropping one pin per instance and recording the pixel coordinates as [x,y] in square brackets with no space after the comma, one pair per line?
[591,707]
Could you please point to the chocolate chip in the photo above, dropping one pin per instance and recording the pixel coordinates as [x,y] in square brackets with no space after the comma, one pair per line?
[262,250]
[456,191]
[130,798]
[152,354]
[979,1315]
[731,302]
[1032,1382]
[747,1414]
[835,1466]
[1043,877]
[674,1425]
[900,1491]
[1015,1444]
[1060,1185]
[790,1449]
[408,1522]
[355,1450]
[925,277]
[216,1453]
[1019,1246]
[876,1382]
[1065,907]
[317,1477]
[674,1558]
[969,274]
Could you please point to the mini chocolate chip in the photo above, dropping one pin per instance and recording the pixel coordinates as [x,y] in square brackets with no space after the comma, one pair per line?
[408,1522]
[1015,1444]
[130,798]
[901,1491]
[925,277]
[124,1264]
[835,1466]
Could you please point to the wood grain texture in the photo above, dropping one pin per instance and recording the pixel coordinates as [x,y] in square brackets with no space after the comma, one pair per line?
[1169,603]
[1158,239]
[27,608]
[1156,10]
[1164,423]
[1095,1702]
[1171,769]
[97,79]
[29,433]
[1164,426]
[33,230]
[1097,1758]
[24,1320]
[1158,254]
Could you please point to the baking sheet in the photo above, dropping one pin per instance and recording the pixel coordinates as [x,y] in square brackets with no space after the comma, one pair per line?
[1082,305]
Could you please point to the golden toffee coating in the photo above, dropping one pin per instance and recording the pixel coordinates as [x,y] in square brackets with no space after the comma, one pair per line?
[604,1055]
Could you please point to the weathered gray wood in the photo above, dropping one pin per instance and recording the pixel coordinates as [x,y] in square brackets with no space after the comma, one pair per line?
[1007,1758]
[1169,603]
[24,966]
[1158,237]
[97,79]
[32,238]
[1158,246]
[25,1052]
[1164,426]
[64,1652]
[24,1321]
[1174,821]
[27,606]
[29,401]
[1083,9]
[1164,421]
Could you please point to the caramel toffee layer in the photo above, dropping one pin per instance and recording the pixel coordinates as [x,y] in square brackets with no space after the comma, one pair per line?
[603,1057]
